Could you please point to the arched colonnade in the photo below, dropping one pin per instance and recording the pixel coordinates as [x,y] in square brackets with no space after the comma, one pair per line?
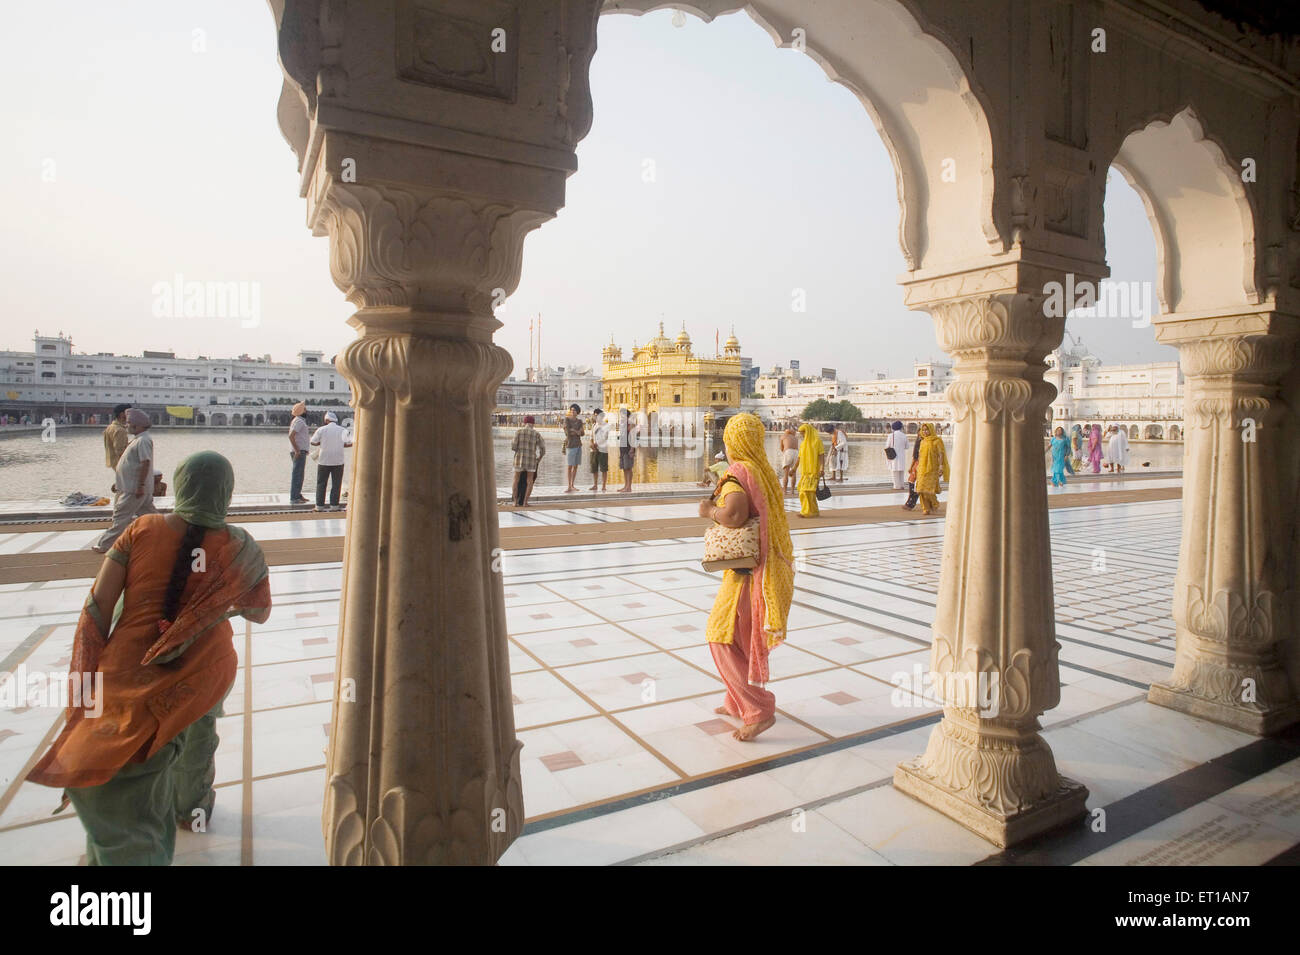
[426,156]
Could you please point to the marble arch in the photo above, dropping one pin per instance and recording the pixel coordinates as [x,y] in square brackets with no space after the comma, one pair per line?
[918,97]
[1200,212]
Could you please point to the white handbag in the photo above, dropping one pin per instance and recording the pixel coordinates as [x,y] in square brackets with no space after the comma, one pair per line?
[731,547]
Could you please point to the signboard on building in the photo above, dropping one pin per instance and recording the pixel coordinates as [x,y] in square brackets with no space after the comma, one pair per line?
[828,374]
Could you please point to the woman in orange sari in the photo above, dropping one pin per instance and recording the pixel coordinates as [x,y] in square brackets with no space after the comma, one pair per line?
[749,614]
[141,761]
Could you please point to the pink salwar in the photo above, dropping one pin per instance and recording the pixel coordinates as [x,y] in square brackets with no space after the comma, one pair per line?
[751,704]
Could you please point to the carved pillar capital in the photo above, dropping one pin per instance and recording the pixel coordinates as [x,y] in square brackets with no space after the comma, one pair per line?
[998,326]
[420,371]
[422,249]
[1245,358]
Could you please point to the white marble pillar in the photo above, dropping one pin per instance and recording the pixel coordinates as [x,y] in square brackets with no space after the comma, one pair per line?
[1233,594]
[994,655]
[423,763]
[430,138]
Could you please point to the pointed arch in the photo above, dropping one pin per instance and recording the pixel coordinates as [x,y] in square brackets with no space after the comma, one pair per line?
[933,124]
[1200,211]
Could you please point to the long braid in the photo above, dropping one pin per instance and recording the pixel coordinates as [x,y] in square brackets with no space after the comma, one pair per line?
[192,538]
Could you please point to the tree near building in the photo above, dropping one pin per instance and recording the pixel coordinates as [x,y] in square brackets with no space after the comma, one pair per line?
[823,410]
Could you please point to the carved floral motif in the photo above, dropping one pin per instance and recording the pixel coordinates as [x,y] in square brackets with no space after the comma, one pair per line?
[1260,357]
[1210,678]
[1230,617]
[1226,411]
[1012,326]
[389,247]
[410,828]
[423,370]
[1027,683]
[999,774]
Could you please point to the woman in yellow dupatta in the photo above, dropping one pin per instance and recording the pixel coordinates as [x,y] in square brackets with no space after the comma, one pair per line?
[931,463]
[812,454]
[137,760]
[749,614]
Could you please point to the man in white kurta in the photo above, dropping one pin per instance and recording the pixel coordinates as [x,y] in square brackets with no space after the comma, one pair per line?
[1117,449]
[133,481]
[898,464]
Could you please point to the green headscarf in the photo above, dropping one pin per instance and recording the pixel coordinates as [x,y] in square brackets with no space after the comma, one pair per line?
[204,483]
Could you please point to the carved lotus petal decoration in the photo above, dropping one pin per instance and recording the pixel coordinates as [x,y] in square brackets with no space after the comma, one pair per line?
[407,830]
[341,810]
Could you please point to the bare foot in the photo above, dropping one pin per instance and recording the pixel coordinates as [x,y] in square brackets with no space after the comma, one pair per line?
[750,730]
[722,711]
[592,488]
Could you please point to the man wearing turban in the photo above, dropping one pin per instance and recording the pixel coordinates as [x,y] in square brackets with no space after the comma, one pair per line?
[299,442]
[133,484]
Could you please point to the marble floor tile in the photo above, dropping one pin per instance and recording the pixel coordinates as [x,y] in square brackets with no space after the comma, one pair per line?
[843,702]
[1111,770]
[289,739]
[699,742]
[31,803]
[845,642]
[904,831]
[530,618]
[601,762]
[802,838]
[1165,732]
[540,697]
[665,580]
[585,589]
[735,802]
[60,842]
[558,648]
[287,819]
[638,681]
[288,684]
[672,631]
[632,606]
[605,839]
[522,595]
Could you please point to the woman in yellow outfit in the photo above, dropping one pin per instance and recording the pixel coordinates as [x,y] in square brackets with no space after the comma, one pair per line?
[812,453]
[930,464]
[749,614]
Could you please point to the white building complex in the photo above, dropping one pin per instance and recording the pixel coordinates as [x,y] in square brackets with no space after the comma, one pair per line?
[549,391]
[53,381]
[1146,398]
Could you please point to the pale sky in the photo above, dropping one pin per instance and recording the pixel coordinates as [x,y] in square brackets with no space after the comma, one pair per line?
[767,178]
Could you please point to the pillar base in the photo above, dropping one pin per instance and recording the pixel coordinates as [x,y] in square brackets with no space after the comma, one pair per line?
[1256,721]
[1066,805]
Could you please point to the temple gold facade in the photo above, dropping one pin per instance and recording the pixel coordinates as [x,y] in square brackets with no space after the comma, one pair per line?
[666,383]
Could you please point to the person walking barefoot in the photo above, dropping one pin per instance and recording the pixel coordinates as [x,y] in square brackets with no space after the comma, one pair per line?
[628,436]
[573,432]
[789,458]
[748,619]
[599,452]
